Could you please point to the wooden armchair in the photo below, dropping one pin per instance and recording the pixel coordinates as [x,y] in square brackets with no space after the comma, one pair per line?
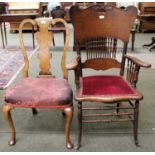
[116,93]
[45,91]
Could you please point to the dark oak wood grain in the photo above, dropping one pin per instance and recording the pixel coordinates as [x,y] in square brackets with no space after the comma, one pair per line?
[99,34]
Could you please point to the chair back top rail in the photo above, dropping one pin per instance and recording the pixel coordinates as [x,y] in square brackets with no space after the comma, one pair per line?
[113,23]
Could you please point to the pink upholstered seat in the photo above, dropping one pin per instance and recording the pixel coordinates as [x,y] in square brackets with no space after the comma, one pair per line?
[107,88]
[40,92]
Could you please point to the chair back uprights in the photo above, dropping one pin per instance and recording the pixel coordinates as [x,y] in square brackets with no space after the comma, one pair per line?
[44,38]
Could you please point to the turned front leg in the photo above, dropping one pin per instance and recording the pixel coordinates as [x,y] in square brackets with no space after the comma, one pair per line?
[135,123]
[79,124]
[69,115]
[7,115]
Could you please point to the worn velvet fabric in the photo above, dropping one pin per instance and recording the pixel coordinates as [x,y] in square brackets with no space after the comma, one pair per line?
[40,92]
[106,85]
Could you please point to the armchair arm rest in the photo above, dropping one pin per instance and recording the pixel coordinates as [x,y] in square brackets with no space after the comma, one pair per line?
[133,67]
[138,62]
[73,64]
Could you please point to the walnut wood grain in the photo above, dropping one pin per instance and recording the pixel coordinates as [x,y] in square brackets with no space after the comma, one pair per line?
[65,49]
[7,115]
[44,38]
[69,115]
[23,49]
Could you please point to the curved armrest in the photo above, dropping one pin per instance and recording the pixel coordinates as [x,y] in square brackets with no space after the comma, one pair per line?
[138,62]
[73,64]
[133,67]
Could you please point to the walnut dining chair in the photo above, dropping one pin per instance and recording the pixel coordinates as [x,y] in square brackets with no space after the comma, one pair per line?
[45,91]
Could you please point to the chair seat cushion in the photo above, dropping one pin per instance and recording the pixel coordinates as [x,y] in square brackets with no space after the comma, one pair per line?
[40,92]
[106,88]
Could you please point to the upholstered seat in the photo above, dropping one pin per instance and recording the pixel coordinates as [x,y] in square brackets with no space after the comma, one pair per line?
[106,88]
[47,92]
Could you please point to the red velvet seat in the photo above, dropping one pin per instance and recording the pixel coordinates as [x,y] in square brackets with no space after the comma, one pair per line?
[47,92]
[106,88]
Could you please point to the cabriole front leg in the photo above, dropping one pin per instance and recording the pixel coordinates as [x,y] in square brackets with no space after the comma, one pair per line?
[69,115]
[7,115]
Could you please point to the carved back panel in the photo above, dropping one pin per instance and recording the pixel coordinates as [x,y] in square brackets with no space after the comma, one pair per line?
[114,23]
[44,38]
